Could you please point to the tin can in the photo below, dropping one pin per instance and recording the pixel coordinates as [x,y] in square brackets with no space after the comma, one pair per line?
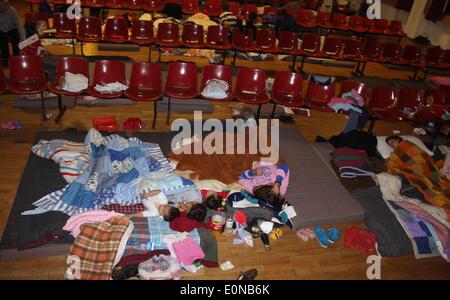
[217,222]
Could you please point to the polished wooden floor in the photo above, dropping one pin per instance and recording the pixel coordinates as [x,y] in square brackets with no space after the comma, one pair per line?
[290,258]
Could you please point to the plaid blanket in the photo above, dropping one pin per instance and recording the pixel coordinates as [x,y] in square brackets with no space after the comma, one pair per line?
[422,172]
[98,248]
[148,234]
[352,162]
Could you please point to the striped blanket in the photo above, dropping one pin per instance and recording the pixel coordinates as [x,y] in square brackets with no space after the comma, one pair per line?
[119,171]
[422,172]
[98,248]
[73,158]
[352,162]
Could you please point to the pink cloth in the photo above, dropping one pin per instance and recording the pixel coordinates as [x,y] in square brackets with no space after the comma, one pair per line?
[94,216]
[269,176]
[187,251]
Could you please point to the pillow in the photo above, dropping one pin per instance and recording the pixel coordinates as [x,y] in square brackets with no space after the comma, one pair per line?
[385,150]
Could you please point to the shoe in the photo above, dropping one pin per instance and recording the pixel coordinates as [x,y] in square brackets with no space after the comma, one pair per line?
[333,235]
[276,234]
[310,233]
[248,275]
[303,235]
[8,125]
[109,124]
[267,247]
[133,123]
[17,124]
[321,236]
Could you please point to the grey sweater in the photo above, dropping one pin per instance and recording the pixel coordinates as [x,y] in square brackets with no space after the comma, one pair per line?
[11,20]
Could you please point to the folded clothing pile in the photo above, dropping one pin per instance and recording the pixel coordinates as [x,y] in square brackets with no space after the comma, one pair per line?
[352,162]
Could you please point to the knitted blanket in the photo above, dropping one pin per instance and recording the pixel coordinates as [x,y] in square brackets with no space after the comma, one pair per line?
[352,162]
[422,172]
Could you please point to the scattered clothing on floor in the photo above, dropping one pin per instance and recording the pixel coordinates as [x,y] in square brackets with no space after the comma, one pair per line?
[160,267]
[187,251]
[74,223]
[352,162]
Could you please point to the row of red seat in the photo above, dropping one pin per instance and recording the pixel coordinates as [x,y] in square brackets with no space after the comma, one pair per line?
[168,35]
[311,19]
[212,8]
[145,84]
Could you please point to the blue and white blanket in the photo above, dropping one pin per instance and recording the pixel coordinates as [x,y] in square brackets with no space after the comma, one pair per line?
[119,171]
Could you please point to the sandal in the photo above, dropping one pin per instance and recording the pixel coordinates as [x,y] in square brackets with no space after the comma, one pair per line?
[8,125]
[303,235]
[248,275]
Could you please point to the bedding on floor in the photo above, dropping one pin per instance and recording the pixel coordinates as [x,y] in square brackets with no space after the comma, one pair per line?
[423,172]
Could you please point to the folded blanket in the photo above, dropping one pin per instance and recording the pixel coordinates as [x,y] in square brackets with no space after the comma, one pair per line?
[422,172]
[98,248]
[352,162]
[74,223]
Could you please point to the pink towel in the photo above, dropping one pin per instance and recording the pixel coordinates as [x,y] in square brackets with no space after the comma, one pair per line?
[187,251]
[94,216]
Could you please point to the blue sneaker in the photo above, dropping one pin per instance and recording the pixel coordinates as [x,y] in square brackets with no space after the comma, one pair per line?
[333,235]
[321,236]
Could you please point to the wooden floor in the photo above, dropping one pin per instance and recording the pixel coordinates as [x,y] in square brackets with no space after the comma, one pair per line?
[290,258]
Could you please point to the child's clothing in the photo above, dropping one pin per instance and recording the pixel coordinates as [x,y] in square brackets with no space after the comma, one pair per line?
[187,251]
[270,174]
[182,223]
[149,203]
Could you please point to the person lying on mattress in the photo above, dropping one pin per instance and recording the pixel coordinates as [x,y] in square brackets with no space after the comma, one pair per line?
[156,204]
[429,176]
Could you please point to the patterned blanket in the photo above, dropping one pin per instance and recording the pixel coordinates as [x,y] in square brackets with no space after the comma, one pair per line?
[423,172]
[98,249]
[352,162]
[119,171]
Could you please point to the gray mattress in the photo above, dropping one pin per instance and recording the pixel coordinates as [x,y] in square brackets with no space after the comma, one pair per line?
[314,190]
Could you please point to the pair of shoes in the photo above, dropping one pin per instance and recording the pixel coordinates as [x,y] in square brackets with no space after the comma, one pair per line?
[306,234]
[276,234]
[133,123]
[326,238]
[11,125]
[248,275]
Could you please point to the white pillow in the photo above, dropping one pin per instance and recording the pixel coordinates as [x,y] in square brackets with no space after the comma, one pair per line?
[385,150]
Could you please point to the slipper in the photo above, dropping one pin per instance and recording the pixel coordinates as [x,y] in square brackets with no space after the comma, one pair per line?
[310,233]
[321,236]
[333,235]
[17,124]
[303,235]
[8,125]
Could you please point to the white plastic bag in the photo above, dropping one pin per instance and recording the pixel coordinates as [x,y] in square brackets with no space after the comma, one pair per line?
[160,267]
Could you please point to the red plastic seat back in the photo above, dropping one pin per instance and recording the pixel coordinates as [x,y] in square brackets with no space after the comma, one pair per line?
[192,34]
[311,42]
[34,17]
[168,32]
[74,65]
[288,41]
[288,83]
[142,30]
[114,3]
[319,94]
[146,75]
[251,80]
[234,7]
[412,53]
[108,71]
[381,25]
[213,8]
[270,10]
[63,24]
[26,67]
[247,9]
[153,5]
[266,39]
[305,16]
[435,97]
[435,55]
[410,98]
[447,56]
[182,75]
[323,18]
[217,34]
[368,23]
[312,4]
[384,99]
[339,20]
[356,21]
[133,4]
[2,82]
[373,49]
[96,3]
[359,87]
[332,45]
[353,47]
[241,40]
[90,27]
[190,6]
[396,26]
[217,72]
[116,28]
[392,51]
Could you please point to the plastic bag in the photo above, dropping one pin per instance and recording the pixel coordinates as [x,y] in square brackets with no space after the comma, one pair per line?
[160,267]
